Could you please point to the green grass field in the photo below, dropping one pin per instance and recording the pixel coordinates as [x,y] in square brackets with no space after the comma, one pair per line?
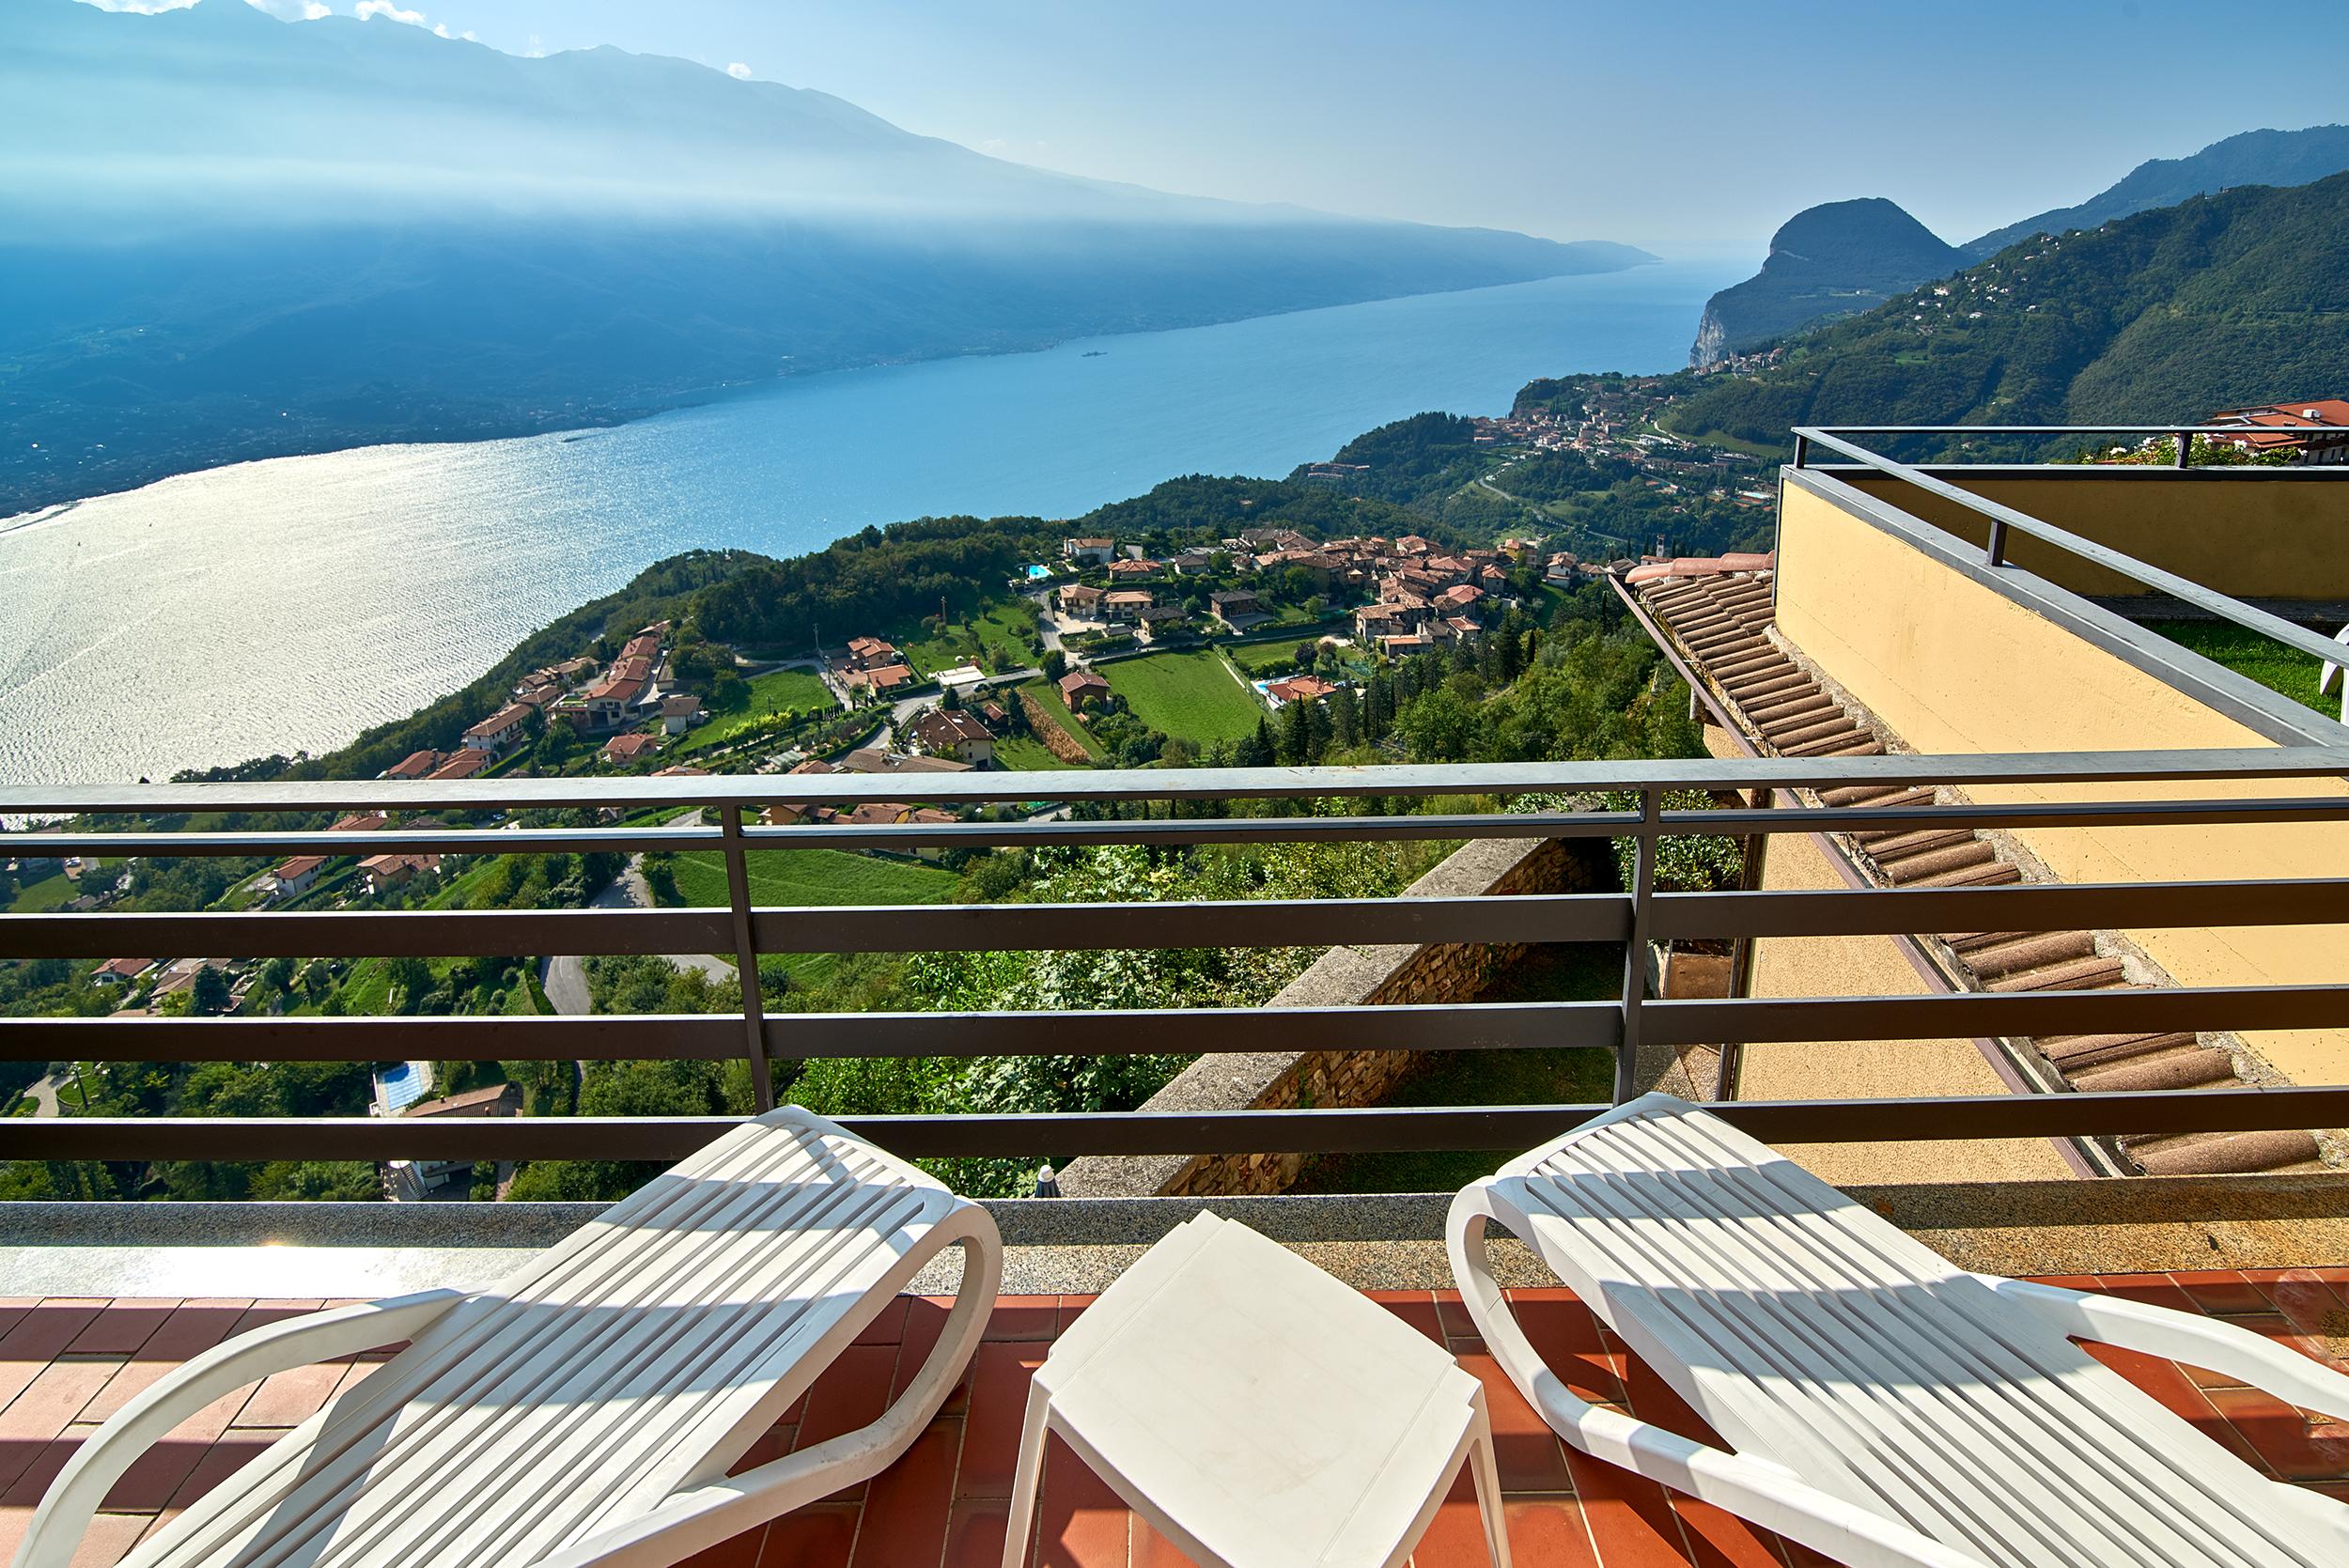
[1047,694]
[2248,652]
[1267,658]
[1000,629]
[1025,754]
[815,876]
[1192,695]
[772,694]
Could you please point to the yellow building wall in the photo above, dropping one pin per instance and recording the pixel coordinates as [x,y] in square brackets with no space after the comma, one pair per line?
[1952,666]
[2254,538]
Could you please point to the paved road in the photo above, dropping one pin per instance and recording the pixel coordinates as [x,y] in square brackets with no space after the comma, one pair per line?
[906,707]
[44,1096]
[566,978]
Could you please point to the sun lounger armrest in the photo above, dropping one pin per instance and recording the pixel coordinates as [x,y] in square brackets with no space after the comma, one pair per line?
[2186,1337]
[65,1512]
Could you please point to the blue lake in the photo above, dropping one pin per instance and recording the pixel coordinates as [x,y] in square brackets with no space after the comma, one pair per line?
[289,604]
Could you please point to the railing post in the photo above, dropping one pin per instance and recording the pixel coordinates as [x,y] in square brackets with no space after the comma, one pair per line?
[1802,450]
[746,957]
[1995,552]
[2185,449]
[1635,949]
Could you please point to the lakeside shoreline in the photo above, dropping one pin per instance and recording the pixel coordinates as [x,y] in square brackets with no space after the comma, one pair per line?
[583,421]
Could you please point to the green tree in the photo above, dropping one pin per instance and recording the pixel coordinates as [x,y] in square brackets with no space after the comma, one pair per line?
[210,994]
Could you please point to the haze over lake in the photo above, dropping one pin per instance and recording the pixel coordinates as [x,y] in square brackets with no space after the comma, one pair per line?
[289,604]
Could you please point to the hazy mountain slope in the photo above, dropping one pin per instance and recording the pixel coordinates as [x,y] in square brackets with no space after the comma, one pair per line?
[2237,298]
[224,237]
[2253,158]
[1830,260]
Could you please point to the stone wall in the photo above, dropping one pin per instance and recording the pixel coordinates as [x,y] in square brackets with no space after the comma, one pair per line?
[1344,977]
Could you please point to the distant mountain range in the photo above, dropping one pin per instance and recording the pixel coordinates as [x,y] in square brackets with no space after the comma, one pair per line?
[2237,298]
[226,237]
[1848,256]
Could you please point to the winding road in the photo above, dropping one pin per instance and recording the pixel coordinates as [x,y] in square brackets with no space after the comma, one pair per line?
[566,978]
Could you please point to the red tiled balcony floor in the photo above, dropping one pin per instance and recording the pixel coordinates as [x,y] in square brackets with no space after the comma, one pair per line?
[65,1365]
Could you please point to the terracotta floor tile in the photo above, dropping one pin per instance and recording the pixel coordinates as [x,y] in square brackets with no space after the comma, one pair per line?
[888,1325]
[2221,1292]
[1147,1548]
[1069,1309]
[1529,1453]
[35,1339]
[2178,1394]
[907,1504]
[2310,1304]
[121,1327]
[740,1552]
[1631,1519]
[220,1461]
[1024,1317]
[41,1413]
[1718,1538]
[109,1539]
[1453,1314]
[975,1533]
[926,1319]
[1566,1336]
[1000,1375]
[849,1393]
[1080,1523]
[2283,1436]
[1414,1307]
[818,1537]
[290,1397]
[191,1327]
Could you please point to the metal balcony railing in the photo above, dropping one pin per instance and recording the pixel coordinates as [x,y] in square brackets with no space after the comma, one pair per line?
[2112,787]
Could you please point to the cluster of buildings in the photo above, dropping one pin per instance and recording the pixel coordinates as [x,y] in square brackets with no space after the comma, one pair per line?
[2315,431]
[873,664]
[1426,596]
[625,694]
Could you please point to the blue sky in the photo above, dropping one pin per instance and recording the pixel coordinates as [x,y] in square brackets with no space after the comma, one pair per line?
[1693,125]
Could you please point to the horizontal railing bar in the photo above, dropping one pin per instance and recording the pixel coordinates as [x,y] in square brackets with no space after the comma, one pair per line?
[2052,430]
[1187,831]
[1375,1129]
[1224,1031]
[596,1037]
[1202,922]
[2183,588]
[1181,923]
[372,934]
[1171,1031]
[1499,778]
[872,928]
[2021,907]
[380,841]
[1994,1014]
[1271,829]
[539,841]
[2097,813]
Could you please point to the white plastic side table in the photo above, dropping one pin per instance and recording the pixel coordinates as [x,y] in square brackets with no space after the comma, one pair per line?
[1258,1412]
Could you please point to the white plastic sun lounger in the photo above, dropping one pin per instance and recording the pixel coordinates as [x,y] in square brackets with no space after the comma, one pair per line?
[1884,1407]
[586,1410]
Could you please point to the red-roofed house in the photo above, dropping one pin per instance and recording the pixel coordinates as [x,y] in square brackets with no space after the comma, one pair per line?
[629,747]
[500,729]
[415,765]
[463,764]
[298,874]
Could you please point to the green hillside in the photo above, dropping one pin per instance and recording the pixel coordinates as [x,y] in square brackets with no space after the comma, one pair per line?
[2238,298]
